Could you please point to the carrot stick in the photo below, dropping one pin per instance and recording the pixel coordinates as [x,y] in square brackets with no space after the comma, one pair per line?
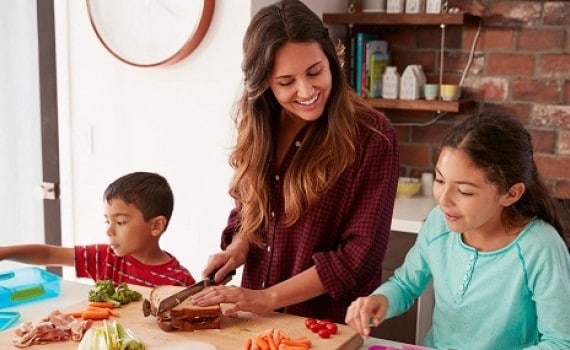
[276,338]
[270,342]
[94,315]
[261,343]
[292,347]
[247,345]
[76,314]
[297,342]
[103,304]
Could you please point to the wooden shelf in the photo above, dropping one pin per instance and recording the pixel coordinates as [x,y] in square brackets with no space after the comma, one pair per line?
[381,18]
[419,105]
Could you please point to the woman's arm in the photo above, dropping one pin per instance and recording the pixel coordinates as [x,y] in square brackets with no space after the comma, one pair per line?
[39,254]
[303,286]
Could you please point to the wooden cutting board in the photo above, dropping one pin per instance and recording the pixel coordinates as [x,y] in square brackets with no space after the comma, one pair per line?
[232,335]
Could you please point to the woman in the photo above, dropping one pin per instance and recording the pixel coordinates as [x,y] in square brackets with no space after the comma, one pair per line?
[315,176]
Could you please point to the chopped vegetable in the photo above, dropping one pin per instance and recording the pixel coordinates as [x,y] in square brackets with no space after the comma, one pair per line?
[110,336]
[276,339]
[105,291]
[94,313]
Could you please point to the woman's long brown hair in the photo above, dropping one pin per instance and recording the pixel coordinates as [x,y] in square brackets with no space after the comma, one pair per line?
[329,146]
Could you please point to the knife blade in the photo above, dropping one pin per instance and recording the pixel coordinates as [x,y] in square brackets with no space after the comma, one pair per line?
[176,299]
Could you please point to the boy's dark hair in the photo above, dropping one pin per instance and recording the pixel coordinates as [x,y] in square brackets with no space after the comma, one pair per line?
[149,192]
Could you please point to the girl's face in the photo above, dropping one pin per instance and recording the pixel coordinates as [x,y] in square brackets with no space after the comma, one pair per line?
[471,204]
[127,231]
[301,79]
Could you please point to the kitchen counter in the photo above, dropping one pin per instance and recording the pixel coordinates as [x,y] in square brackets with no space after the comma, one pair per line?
[411,212]
[74,293]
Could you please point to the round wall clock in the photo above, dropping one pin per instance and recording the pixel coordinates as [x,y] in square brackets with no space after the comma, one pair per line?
[148,33]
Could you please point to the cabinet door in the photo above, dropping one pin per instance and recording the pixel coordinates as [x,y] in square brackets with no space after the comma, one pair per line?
[403,327]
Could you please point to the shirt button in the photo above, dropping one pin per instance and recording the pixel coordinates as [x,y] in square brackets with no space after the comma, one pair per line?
[272,214]
[276,177]
[298,143]
[461,287]
[263,284]
[269,249]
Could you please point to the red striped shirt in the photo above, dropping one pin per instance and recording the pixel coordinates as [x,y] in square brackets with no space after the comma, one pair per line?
[99,262]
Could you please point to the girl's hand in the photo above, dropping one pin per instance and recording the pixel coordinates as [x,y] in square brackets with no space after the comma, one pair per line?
[243,299]
[365,312]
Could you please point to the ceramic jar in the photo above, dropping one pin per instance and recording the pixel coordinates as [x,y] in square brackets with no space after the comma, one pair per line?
[433,6]
[390,83]
[395,6]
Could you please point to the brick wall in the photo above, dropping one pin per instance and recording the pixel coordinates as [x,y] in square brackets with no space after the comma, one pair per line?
[521,65]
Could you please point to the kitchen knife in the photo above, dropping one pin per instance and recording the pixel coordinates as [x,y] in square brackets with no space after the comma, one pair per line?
[176,299]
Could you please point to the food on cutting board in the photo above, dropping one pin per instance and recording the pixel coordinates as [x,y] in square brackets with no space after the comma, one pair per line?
[54,328]
[186,316]
[110,336]
[98,310]
[324,328]
[105,291]
[276,339]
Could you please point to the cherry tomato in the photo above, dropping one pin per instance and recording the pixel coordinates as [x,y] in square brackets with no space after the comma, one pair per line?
[324,333]
[332,327]
[316,327]
[310,321]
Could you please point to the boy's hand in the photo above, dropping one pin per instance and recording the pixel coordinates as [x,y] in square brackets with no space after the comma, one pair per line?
[365,312]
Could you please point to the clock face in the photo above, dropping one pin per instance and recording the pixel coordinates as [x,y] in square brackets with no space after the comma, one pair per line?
[150,32]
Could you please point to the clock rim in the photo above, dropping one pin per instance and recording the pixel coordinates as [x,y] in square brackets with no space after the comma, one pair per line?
[194,39]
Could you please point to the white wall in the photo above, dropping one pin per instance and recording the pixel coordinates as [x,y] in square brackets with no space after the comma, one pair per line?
[173,120]
[20,136]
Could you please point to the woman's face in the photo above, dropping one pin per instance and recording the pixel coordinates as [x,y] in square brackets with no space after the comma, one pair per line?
[301,79]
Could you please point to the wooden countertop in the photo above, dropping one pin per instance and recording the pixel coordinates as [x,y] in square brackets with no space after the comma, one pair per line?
[232,335]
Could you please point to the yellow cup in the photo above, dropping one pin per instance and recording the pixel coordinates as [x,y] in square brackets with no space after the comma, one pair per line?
[449,92]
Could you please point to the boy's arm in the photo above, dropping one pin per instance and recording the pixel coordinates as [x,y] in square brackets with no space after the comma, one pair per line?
[39,254]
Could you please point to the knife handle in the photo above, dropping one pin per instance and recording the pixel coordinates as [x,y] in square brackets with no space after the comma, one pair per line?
[211,276]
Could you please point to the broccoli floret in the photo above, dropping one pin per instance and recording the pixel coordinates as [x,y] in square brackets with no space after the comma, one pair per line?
[103,291]
[102,296]
[125,295]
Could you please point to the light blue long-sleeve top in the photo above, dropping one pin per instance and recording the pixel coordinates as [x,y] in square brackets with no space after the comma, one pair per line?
[516,297]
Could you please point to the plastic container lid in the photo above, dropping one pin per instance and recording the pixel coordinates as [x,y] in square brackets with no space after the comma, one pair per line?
[8,319]
[27,284]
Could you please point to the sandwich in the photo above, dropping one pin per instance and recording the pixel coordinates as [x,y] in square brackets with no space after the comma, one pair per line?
[185,316]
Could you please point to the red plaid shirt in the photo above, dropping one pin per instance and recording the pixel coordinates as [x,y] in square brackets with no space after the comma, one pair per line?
[344,234]
[99,262]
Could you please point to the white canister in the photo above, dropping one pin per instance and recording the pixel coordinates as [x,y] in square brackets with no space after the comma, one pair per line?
[395,6]
[390,83]
[433,6]
[427,184]
[373,5]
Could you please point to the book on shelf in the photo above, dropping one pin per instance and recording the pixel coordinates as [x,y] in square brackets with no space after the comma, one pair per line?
[378,63]
[380,49]
[359,58]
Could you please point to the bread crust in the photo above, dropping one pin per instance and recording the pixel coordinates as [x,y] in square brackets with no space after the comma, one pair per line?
[186,316]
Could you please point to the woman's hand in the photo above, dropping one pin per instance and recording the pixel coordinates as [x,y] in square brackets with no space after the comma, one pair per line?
[224,262]
[365,312]
[243,299]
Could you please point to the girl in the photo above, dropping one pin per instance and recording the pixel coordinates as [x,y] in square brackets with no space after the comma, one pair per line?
[493,247]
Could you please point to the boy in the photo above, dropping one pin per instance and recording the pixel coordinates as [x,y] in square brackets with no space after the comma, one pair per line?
[137,210]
